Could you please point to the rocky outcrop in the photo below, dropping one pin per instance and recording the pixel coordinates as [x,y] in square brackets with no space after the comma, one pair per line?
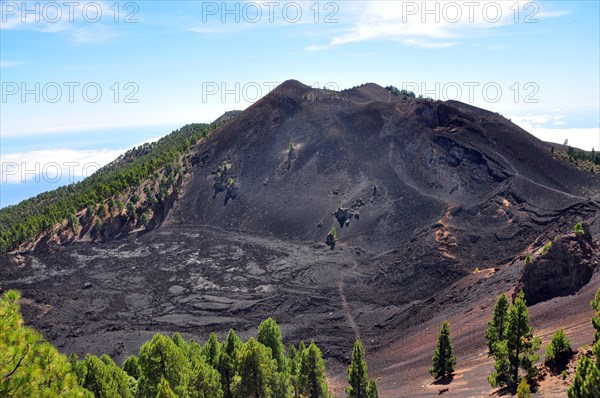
[560,268]
[225,181]
[346,213]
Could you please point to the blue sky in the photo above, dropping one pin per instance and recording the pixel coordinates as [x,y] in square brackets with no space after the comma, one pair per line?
[149,67]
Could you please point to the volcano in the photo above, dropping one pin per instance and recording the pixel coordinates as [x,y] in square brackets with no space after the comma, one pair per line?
[435,207]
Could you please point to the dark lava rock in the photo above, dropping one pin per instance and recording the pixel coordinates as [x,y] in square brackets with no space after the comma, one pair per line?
[344,214]
[566,267]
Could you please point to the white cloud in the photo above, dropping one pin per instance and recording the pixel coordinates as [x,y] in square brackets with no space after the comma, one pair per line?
[7,23]
[541,127]
[432,24]
[81,22]
[316,48]
[428,44]
[54,165]
[9,64]
[583,138]
[551,13]
[529,120]
[96,34]
[497,47]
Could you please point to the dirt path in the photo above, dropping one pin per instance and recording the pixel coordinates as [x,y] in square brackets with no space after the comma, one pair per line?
[345,306]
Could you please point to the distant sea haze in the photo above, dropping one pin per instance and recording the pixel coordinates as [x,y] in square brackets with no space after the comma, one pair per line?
[29,162]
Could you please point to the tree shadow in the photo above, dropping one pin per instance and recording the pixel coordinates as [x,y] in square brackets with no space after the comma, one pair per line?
[504,391]
[443,381]
[555,368]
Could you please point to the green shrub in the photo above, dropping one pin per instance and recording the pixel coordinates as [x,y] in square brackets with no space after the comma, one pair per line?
[528,258]
[131,210]
[145,219]
[558,351]
[546,247]
[400,93]
[578,229]
[100,212]
[90,211]
[333,232]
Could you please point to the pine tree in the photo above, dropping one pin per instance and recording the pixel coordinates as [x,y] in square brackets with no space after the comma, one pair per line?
[595,303]
[164,390]
[30,366]
[443,357]
[312,382]
[232,343]
[501,374]
[78,368]
[295,362]
[586,383]
[205,382]
[269,334]
[180,342]
[357,373]
[195,354]
[593,380]
[132,367]
[120,379]
[523,390]
[212,349]
[496,326]
[160,358]
[105,379]
[372,391]
[226,369]
[301,346]
[294,366]
[226,365]
[517,351]
[256,369]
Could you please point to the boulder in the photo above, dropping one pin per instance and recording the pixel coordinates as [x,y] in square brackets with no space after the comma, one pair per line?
[344,214]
